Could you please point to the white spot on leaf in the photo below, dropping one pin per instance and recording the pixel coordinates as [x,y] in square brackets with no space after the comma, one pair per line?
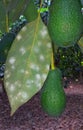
[22,50]
[38,76]
[44,76]
[25,95]
[22,70]
[43,32]
[13,67]
[29,82]
[32,66]
[47,67]
[49,45]
[26,72]
[37,68]
[41,57]
[12,87]
[18,84]
[8,75]
[24,29]
[19,37]
[12,60]
[36,50]
[7,83]
[39,43]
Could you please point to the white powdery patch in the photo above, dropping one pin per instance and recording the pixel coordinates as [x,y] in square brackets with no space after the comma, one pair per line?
[6,71]
[22,50]
[12,60]
[41,57]
[37,68]
[26,72]
[44,76]
[17,84]
[24,95]
[33,66]
[29,83]
[7,83]
[47,67]
[38,84]
[19,37]
[43,32]
[12,87]
[36,50]
[22,71]
[13,67]
[8,75]
[24,29]
[19,96]
[39,43]
[38,77]
[48,45]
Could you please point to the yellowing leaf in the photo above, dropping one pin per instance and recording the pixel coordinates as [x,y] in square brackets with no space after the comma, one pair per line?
[27,64]
[80,43]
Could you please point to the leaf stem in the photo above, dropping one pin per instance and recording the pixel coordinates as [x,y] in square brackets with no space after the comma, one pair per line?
[52,58]
[52,62]
[36,29]
[6,16]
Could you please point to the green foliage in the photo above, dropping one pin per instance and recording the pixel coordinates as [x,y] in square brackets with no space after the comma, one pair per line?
[53,99]
[10,12]
[5,42]
[12,9]
[30,12]
[65,23]
[5,45]
[2,17]
[15,9]
[69,61]
[27,64]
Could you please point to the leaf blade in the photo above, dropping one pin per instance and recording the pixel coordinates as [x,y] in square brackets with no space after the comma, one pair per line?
[80,43]
[27,64]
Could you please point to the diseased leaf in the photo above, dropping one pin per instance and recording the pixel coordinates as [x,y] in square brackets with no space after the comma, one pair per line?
[27,64]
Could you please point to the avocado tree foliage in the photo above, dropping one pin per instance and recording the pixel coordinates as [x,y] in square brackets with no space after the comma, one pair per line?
[25,50]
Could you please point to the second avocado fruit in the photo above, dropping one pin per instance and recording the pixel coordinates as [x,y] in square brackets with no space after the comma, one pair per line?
[65,23]
[53,98]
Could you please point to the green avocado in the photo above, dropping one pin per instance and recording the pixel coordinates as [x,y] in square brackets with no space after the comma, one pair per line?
[30,12]
[53,98]
[65,24]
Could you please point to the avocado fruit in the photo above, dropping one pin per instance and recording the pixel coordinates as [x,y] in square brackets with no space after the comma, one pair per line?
[65,24]
[53,98]
[30,11]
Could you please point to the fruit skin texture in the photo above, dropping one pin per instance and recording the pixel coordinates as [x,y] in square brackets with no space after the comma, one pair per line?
[53,98]
[30,12]
[65,23]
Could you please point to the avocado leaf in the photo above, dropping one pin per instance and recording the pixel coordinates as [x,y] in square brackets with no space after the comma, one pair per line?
[80,43]
[27,64]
